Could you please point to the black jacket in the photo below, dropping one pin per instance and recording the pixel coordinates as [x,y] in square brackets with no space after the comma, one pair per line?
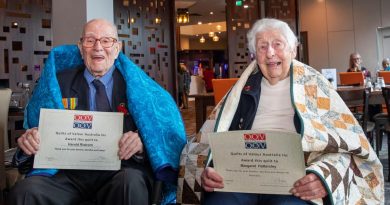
[249,101]
[73,85]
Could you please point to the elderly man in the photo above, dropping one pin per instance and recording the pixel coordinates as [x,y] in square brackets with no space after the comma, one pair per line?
[103,82]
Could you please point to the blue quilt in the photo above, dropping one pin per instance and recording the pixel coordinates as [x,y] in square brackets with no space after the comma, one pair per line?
[154,111]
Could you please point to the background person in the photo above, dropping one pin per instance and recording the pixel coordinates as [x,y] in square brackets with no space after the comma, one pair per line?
[184,81]
[208,76]
[338,156]
[146,153]
[386,64]
[355,65]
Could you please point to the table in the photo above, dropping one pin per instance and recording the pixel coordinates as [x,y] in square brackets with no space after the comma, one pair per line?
[202,100]
[376,98]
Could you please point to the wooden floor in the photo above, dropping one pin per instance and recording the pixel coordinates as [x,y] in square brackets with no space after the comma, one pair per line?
[188,115]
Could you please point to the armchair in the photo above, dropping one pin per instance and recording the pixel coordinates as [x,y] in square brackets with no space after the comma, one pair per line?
[5,96]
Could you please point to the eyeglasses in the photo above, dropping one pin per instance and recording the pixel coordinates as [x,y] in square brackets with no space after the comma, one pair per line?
[276,45]
[106,42]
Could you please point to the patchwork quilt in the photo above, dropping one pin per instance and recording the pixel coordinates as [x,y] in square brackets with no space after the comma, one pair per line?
[334,144]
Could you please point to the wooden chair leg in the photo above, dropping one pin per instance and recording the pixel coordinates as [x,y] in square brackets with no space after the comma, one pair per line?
[380,140]
[377,136]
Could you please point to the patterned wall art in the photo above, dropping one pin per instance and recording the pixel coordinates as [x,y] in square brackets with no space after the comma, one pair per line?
[25,40]
[145,28]
[285,10]
[239,21]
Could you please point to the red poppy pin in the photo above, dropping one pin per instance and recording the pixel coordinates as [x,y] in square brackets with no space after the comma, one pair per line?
[122,108]
[247,88]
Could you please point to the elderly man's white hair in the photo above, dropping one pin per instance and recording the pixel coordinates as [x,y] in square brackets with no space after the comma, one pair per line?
[266,24]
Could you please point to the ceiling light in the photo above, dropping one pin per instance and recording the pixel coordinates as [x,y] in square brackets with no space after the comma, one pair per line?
[215,38]
[183,16]
[211,13]
[246,6]
[202,40]
[211,34]
[218,27]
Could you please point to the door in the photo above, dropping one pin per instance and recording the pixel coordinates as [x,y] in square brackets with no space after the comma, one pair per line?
[383,43]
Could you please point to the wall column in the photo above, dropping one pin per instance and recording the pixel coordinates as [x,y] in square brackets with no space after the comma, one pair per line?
[69,17]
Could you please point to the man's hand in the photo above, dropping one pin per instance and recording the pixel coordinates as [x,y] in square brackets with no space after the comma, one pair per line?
[211,179]
[130,144]
[29,141]
[309,187]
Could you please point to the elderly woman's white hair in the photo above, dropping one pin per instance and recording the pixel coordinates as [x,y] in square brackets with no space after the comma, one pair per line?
[266,24]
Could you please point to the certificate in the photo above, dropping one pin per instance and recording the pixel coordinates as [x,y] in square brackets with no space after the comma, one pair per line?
[263,162]
[79,140]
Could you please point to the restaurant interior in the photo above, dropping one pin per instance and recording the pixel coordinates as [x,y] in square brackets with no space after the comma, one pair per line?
[203,35]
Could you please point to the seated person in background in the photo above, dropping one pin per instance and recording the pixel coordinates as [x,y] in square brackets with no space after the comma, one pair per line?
[139,147]
[386,64]
[278,92]
[183,81]
[355,65]
[208,76]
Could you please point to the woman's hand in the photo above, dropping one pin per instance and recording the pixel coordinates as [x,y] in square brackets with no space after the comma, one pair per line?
[309,187]
[211,179]
[29,141]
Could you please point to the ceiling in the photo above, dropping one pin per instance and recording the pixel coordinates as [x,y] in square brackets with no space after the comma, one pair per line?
[200,10]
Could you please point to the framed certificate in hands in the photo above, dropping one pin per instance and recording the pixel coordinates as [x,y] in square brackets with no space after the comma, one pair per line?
[252,161]
[73,139]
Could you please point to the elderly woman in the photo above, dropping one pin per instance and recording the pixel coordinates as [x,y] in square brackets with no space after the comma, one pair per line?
[355,65]
[278,92]
[386,64]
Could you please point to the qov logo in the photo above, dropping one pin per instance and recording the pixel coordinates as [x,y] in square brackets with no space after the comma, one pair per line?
[255,141]
[83,121]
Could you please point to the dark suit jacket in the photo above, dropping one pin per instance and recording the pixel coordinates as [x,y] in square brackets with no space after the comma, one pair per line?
[73,85]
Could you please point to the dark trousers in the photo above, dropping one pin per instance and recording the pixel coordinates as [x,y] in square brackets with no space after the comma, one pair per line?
[130,185]
[232,198]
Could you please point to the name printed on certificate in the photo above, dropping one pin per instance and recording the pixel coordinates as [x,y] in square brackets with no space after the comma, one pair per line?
[73,139]
[263,162]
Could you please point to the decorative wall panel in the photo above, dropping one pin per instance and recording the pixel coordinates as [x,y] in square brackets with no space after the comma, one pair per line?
[23,23]
[242,17]
[145,28]
[239,21]
[285,10]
